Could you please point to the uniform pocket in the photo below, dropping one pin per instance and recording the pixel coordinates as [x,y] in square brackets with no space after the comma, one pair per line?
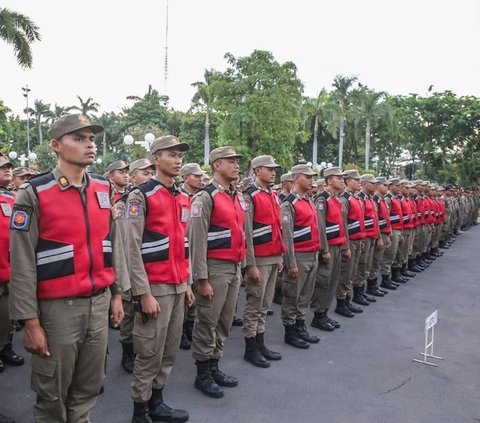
[144,339]
[44,382]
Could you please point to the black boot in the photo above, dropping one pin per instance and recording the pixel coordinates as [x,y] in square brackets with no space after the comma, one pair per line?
[405,272]
[159,411]
[188,328]
[372,288]
[387,283]
[9,356]
[204,381]
[237,321]
[358,296]
[5,419]
[221,378]
[140,413]
[253,355]
[352,307]
[292,338]
[334,323]
[342,308]
[277,298]
[185,344]
[419,263]
[412,267]
[422,261]
[320,321]
[397,276]
[303,332]
[266,352]
[128,357]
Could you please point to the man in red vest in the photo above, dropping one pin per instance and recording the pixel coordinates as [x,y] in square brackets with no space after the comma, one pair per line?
[264,259]
[158,256]
[409,215]
[301,234]
[334,244]
[64,248]
[217,239]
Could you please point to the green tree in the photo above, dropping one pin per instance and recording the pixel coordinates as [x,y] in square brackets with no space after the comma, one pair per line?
[19,31]
[86,107]
[40,113]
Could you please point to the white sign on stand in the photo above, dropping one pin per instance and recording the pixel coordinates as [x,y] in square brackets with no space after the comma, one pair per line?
[430,323]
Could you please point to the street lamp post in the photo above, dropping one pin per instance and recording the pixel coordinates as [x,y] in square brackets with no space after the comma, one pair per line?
[148,139]
[26,90]
[31,157]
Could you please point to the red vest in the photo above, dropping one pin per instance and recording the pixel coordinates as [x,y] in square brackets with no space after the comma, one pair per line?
[334,224]
[165,249]
[419,201]
[371,217]
[396,216]
[355,217]
[406,213]
[7,198]
[443,210]
[226,236]
[383,216]
[267,233]
[438,212]
[74,250]
[431,210]
[306,237]
[413,208]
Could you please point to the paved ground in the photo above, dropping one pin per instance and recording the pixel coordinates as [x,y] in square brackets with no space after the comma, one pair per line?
[362,372]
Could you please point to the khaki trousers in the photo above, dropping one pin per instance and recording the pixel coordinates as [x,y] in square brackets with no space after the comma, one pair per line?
[348,268]
[5,323]
[297,293]
[214,317]
[365,263]
[259,298]
[402,254]
[389,256]
[126,326]
[156,343]
[378,254]
[68,382]
[325,287]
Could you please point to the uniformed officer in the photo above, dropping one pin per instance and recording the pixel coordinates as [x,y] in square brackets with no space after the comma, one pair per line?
[264,259]
[217,239]
[64,248]
[20,175]
[141,171]
[408,234]
[301,234]
[158,261]
[192,183]
[332,249]
[7,198]
[321,184]
[118,176]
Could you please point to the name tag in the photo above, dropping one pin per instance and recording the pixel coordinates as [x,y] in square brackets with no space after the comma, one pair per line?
[6,209]
[185,215]
[103,200]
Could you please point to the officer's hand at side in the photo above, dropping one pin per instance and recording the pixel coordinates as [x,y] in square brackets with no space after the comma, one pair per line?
[388,243]
[401,240]
[116,307]
[293,272]
[326,257]
[35,340]
[205,289]
[380,243]
[189,297]
[253,274]
[347,253]
[150,305]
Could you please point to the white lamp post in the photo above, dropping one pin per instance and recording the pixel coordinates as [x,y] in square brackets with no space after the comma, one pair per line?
[148,139]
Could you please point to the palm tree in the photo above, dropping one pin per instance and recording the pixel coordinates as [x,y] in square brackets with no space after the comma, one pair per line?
[86,106]
[342,85]
[203,99]
[40,111]
[58,112]
[319,110]
[20,31]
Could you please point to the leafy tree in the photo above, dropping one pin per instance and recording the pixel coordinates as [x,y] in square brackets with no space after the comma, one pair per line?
[40,112]
[87,107]
[19,31]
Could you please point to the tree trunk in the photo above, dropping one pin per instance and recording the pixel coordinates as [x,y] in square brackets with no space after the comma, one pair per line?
[39,128]
[104,143]
[315,143]
[340,144]
[206,146]
[367,146]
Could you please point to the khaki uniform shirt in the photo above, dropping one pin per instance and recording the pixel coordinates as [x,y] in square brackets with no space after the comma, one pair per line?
[23,245]
[135,226]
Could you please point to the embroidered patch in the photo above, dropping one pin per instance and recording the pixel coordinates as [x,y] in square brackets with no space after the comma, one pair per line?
[197,210]
[119,208]
[21,218]
[285,218]
[245,206]
[320,206]
[63,181]
[134,208]
[6,209]
[103,199]
[185,215]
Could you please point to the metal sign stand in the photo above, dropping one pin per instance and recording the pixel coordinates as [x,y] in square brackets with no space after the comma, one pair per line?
[430,323]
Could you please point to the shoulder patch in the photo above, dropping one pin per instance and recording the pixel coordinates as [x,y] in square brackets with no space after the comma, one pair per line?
[286,218]
[135,208]
[21,218]
[196,210]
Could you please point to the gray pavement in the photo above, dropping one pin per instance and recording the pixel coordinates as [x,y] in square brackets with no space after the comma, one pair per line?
[362,372]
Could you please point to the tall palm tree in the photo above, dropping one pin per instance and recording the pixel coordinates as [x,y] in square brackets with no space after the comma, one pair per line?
[203,99]
[319,110]
[20,31]
[86,107]
[40,111]
[342,85]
